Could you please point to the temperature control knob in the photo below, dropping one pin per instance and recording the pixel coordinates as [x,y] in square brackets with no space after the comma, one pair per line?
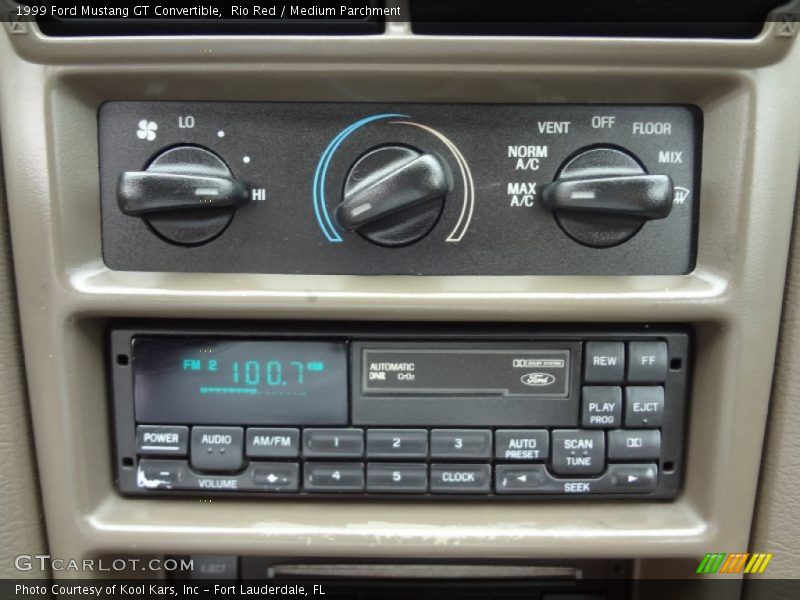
[603,196]
[394,195]
[187,194]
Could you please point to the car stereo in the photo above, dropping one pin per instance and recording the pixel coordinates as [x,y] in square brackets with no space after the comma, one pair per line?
[420,411]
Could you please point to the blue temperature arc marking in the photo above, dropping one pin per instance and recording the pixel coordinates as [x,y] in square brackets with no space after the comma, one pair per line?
[320,204]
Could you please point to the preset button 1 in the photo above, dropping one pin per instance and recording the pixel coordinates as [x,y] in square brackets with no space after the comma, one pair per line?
[333,442]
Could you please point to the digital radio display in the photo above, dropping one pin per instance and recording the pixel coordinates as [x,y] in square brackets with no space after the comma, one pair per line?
[228,381]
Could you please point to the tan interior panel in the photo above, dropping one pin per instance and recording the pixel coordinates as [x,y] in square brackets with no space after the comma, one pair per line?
[22,528]
[775,525]
[50,92]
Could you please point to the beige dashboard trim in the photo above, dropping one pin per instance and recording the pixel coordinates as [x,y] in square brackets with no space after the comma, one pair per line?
[50,91]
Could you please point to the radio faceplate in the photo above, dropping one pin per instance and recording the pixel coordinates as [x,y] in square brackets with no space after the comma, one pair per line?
[483,412]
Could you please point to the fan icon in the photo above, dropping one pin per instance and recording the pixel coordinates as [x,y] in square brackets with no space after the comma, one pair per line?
[147,130]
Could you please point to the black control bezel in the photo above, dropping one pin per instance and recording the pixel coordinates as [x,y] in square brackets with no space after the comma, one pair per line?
[676,389]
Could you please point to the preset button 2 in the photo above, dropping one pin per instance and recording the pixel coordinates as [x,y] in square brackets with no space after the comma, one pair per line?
[397,443]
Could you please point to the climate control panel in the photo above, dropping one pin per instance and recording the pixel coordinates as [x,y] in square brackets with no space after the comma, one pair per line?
[407,189]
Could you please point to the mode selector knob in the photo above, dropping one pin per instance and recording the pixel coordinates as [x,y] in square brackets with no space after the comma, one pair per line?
[394,195]
[186,194]
[602,197]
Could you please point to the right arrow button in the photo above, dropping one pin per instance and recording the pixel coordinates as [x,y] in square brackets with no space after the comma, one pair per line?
[631,478]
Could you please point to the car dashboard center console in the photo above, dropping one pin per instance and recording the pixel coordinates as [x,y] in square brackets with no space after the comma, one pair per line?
[400,295]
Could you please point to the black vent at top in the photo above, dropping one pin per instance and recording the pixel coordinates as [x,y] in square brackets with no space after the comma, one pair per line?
[186,18]
[616,18]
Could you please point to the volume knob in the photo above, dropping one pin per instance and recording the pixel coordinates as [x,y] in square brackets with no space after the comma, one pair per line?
[394,195]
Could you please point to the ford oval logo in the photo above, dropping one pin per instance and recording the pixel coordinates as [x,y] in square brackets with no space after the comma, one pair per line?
[537,379]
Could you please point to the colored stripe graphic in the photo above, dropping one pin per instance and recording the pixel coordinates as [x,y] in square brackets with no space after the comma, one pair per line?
[711,563]
[734,563]
[758,563]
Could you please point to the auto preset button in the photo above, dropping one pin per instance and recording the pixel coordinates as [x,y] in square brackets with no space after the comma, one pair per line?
[522,444]
[461,479]
[578,452]
[217,448]
[461,443]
